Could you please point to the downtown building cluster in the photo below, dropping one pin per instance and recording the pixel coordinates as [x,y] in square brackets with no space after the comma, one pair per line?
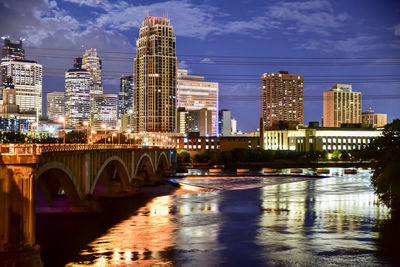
[160,98]
[148,100]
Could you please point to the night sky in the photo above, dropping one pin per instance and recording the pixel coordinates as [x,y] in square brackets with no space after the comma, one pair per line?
[233,42]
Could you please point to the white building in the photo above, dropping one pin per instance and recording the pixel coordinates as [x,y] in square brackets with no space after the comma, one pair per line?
[27,80]
[104,111]
[194,94]
[55,105]
[77,99]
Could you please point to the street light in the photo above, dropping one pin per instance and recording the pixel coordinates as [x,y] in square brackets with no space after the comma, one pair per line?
[92,132]
[62,120]
[112,138]
[117,128]
[85,123]
[129,133]
[104,126]
[33,125]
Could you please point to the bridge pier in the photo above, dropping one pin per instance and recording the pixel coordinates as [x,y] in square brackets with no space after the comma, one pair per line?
[17,211]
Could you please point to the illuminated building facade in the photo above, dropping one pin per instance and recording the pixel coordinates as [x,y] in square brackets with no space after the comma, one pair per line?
[77,98]
[305,139]
[26,76]
[104,111]
[55,105]
[92,63]
[155,72]
[282,97]
[195,144]
[194,94]
[12,49]
[195,121]
[373,119]
[341,105]
[125,95]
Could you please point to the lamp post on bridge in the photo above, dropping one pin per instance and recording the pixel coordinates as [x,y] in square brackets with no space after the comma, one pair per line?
[86,123]
[104,126]
[118,128]
[62,120]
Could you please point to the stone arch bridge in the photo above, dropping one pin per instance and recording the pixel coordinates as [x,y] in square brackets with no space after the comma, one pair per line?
[78,171]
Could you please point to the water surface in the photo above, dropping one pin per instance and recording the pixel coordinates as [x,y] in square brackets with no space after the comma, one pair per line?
[311,222]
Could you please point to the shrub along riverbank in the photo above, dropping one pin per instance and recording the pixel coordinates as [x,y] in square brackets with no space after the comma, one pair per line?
[247,158]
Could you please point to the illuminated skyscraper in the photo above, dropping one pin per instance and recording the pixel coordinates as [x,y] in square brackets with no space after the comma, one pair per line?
[194,94]
[77,99]
[92,63]
[26,77]
[55,105]
[104,110]
[341,105]
[155,70]
[12,49]
[282,97]
[125,95]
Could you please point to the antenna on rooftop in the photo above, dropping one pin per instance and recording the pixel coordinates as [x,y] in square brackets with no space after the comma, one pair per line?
[147,13]
[165,14]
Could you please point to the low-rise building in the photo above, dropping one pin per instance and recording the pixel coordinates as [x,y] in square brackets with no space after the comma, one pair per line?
[195,144]
[373,119]
[305,139]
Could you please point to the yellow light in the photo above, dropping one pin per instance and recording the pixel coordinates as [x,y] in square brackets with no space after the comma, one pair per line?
[61,119]
[103,126]
[85,123]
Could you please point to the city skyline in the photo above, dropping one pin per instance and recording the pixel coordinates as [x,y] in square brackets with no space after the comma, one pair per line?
[314,29]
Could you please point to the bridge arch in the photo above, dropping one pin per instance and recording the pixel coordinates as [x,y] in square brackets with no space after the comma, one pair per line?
[55,176]
[162,164]
[144,168]
[119,167]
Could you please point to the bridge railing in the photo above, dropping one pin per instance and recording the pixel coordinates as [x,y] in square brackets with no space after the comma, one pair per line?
[37,149]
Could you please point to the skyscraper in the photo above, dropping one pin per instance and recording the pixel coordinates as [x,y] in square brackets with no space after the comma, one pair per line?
[24,75]
[194,94]
[77,99]
[125,95]
[92,63]
[341,105]
[104,110]
[225,122]
[55,105]
[155,70]
[282,97]
[12,49]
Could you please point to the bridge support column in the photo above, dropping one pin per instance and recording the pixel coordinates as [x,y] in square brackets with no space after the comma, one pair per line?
[17,213]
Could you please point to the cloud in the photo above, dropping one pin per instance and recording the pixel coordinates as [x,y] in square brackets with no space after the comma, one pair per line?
[397,30]
[315,16]
[352,44]
[207,60]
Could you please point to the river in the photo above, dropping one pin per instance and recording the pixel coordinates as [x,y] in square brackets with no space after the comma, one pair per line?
[249,221]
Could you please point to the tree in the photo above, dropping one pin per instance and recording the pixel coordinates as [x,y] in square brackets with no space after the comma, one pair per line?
[386,162]
[78,137]
[336,155]
[344,155]
[184,157]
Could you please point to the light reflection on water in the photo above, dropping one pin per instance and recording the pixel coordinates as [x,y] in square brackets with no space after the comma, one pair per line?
[326,221]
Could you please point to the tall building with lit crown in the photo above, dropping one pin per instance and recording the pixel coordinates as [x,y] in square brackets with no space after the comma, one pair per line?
[194,94]
[55,105]
[77,99]
[282,97]
[92,63]
[125,95]
[341,105]
[104,111]
[155,71]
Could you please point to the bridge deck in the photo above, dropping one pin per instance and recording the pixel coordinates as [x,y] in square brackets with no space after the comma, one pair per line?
[38,149]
